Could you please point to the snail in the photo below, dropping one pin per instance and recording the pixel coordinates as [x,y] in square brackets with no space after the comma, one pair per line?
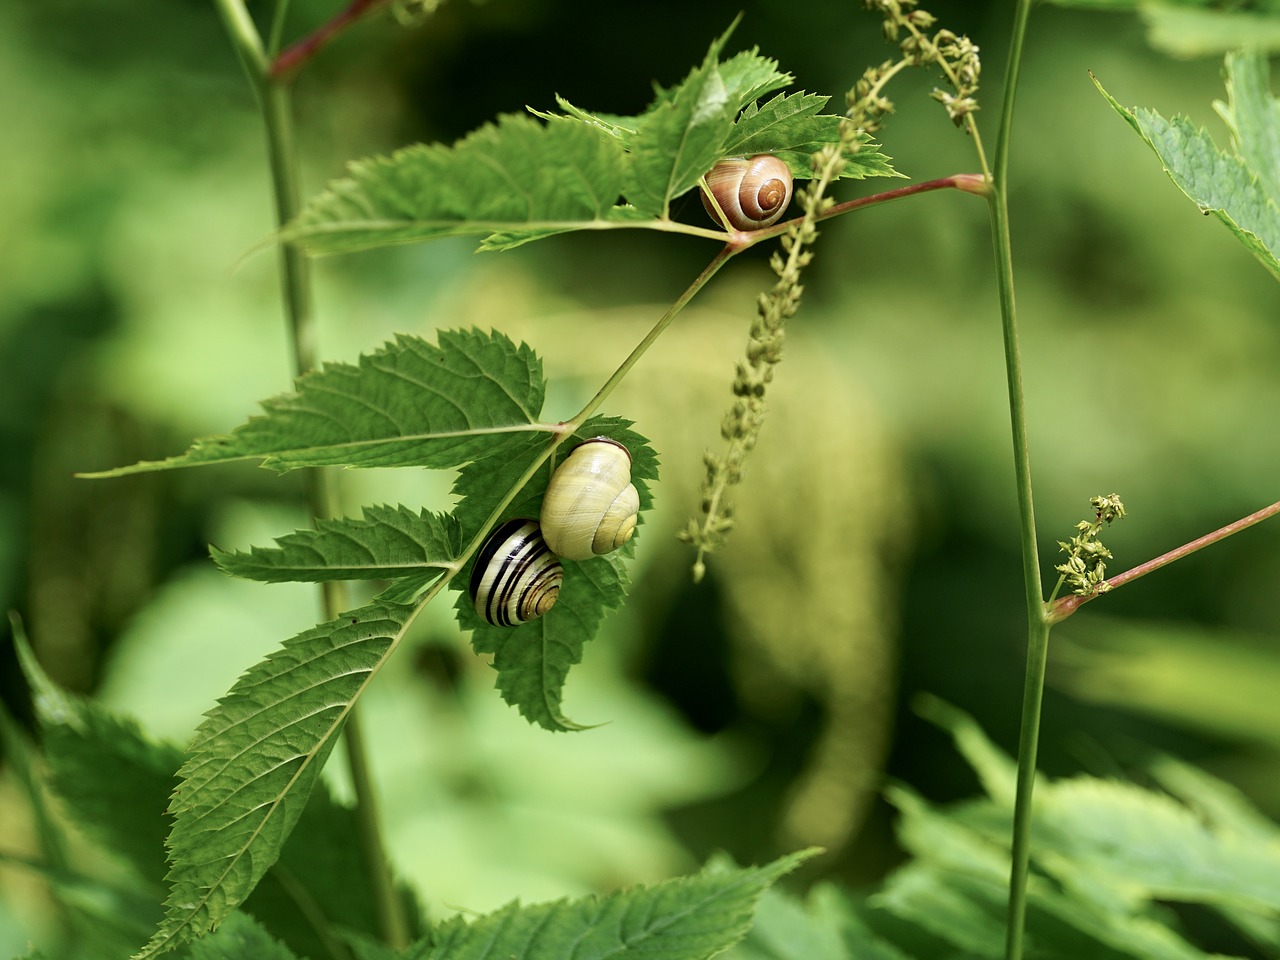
[591,504]
[752,193]
[516,578]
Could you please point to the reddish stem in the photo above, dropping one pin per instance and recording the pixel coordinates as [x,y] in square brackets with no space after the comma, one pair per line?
[296,54]
[1061,609]
[966,182]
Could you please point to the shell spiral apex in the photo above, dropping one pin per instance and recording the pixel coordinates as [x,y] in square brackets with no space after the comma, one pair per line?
[751,192]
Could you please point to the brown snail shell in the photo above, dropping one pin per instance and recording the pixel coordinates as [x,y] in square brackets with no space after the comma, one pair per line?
[516,577]
[591,505]
[752,192]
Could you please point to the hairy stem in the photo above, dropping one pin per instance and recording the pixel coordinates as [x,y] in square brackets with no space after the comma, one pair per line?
[322,495]
[1037,621]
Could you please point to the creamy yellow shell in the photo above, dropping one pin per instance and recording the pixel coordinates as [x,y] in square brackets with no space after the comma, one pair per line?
[590,506]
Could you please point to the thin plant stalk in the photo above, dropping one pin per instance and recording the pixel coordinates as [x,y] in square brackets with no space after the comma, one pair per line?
[1037,621]
[295,276]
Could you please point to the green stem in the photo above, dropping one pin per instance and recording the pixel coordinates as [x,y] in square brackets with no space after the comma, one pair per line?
[322,495]
[718,261]
[1037,622]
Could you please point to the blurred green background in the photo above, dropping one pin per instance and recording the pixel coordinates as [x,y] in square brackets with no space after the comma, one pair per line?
[876,554]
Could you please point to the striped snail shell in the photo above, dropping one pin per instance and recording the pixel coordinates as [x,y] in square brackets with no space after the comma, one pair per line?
[515,578]
[752,192]
[591,504]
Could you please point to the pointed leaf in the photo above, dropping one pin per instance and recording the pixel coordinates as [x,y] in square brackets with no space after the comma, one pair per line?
[533,660]
[824,926]
[389,542]
[791,127]
[679,139]
[254,761]
[514,174]
[409,404]
[1219,183]
[1127,843]
[682,919]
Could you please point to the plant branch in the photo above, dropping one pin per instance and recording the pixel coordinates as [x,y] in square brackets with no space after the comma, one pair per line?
[322,495]
[711,269]
[1065,607]
[297,54]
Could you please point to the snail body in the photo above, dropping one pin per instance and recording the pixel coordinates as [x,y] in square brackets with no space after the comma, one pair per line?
[752,192]
[591,505]
[516,577]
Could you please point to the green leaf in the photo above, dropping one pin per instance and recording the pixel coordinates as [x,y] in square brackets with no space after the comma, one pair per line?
[323,854]
[389,542]
[1253,115]
[533,660]
[1185,31]
[506,176]
[519,180]
[239,938]
[408,404]
[996,770]
[683,134]
[1115,842]
[254,761]
[825,926]
[1220,183]
[1196,28]
[113,781]
[791,127]
[682,919]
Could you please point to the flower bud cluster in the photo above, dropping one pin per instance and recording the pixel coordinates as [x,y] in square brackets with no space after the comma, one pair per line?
[1085,569]
[957,56]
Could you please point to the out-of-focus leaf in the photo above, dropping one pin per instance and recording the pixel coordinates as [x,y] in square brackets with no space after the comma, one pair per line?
[1196,28]
[1219,183]
[239,938]
[698,916]
[1210,680]
[1190,32]
[1253,115]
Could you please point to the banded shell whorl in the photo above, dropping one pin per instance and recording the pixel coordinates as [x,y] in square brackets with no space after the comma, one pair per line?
[516,577]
